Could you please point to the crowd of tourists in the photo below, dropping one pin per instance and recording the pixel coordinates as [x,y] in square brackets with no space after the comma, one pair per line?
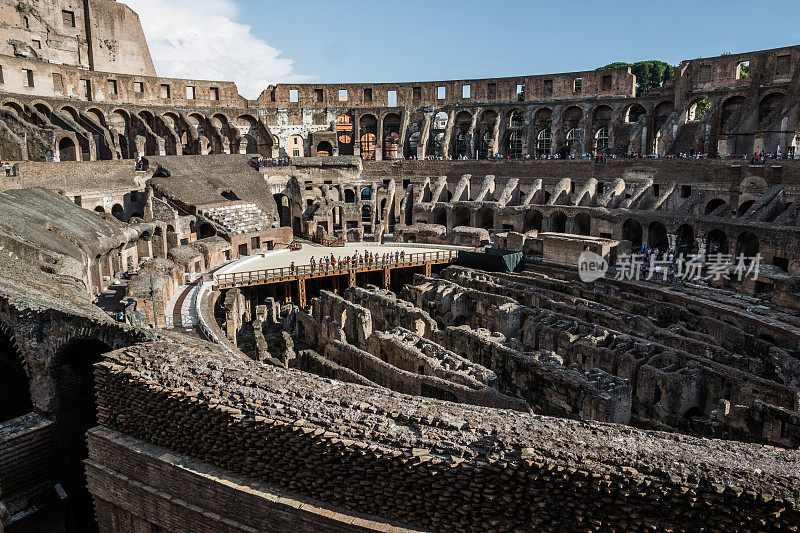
[274,161]
[366,258]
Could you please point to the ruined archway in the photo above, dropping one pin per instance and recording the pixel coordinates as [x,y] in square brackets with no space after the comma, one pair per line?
[324,149]
[717,242]
[582,224]
[632,232]
[685,241]
[67,150]
[558,222]
[532,221]
[713,205]
[747,244]
[657,236]
[15,394]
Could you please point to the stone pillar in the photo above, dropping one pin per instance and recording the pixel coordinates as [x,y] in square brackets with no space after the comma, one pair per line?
[379,140]
[448,133]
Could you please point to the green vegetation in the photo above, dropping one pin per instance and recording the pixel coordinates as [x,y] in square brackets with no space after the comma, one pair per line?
[649,74]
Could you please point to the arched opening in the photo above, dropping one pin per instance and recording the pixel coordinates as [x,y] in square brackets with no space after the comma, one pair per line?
[747,244]
[76,412]
[99,209]
[344,134]
[729,108]
[349,196]
[634,112]
[66,150]
[632,232]
[532,221]
[558,222]
[744,207]
[440,216]
[583,224]
[391,136]
[544,140]
[366,214]
[515,142]
[769,104]
[717,242]
[118,212]
[713,205]
[368,125]
[324,149]
[657,236]
[517,118]
[485,218]
[601,140]
[485,148]
[698,109]
[463,123]
[685,242]
[461,216]
[366,193]
[15,394]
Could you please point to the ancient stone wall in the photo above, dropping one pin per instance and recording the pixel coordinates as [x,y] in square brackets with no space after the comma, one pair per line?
[647,485]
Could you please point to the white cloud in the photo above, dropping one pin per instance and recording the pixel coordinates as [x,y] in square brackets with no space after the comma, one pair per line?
[199,39]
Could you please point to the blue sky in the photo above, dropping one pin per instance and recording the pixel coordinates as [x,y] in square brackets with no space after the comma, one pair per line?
[325,41]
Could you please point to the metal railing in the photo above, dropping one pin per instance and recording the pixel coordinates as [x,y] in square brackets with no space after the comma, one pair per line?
[377,262]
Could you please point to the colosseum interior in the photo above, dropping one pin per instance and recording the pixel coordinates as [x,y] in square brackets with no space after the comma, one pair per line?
[364,307]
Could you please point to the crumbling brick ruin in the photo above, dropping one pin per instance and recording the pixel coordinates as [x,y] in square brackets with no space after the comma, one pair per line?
[171,358]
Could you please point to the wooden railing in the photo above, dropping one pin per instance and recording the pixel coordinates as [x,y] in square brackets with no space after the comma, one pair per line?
[271,275]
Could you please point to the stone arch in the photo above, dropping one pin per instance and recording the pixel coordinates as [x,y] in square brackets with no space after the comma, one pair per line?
[366,193]
[324,149]
[439,215]
[685,240]
[14,105]
[729,108]
[119,126]
[461,216]
[717,242]
[516,118]
[349,196]
[68,109]
[515,146]
[713,204]
[367,135]
[747,243]
[698,109]
[582,224]
[485,218]
[97,114]
[532,220]
[768,104]
[461,133]
[345,134]
[67,151]
[558,222]
[391,136]
[76,411]
[15,393]
[657,236]
[632,231]
[634,112]
[744,207]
